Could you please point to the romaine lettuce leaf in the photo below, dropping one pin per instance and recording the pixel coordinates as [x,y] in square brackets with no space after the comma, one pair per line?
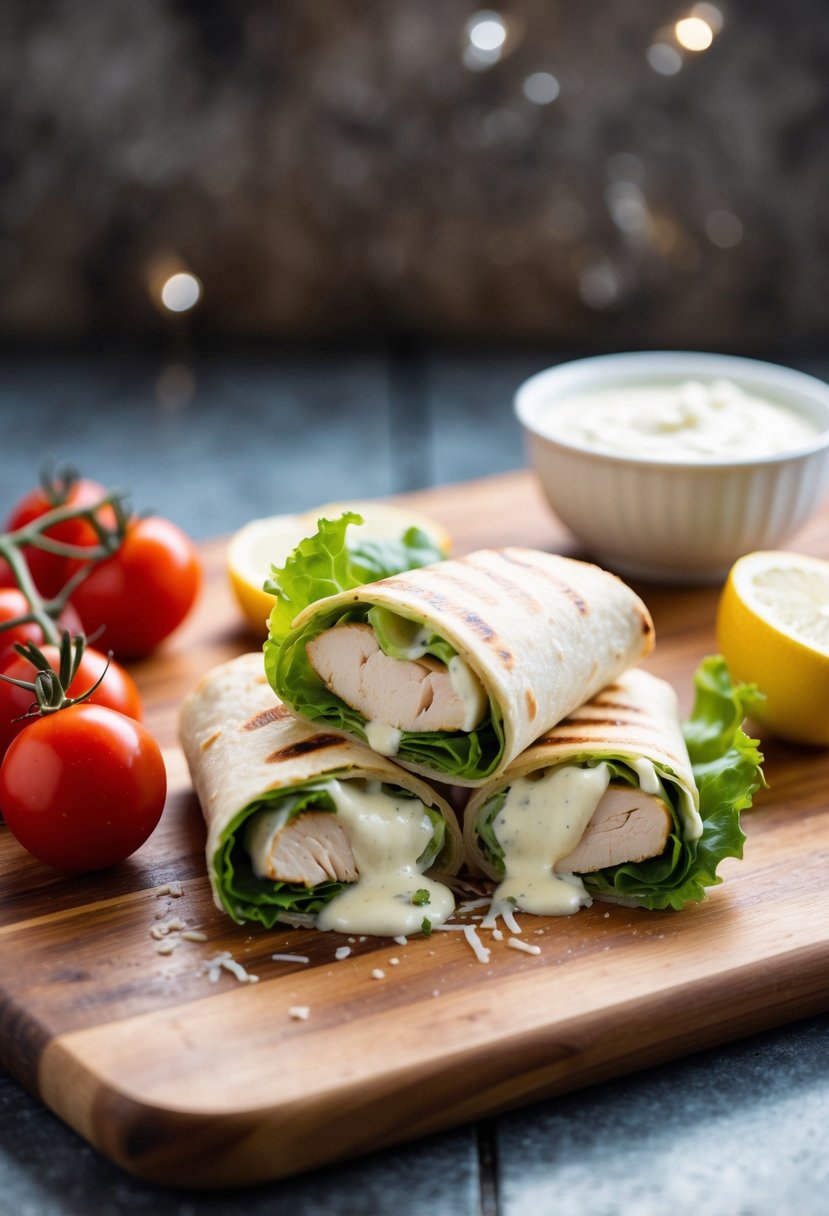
[331,561]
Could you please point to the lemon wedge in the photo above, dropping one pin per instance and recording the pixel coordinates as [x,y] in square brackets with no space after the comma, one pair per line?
[773,630]
[263,543]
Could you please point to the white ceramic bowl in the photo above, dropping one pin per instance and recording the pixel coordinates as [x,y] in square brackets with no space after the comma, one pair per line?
[671,520]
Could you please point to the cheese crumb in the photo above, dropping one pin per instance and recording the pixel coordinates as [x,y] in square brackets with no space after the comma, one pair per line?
[290,958]
[300,1013]
[213,967]
[377,974]
[478,949]
[172,888]
[393,962]
[516,944]
[342,952]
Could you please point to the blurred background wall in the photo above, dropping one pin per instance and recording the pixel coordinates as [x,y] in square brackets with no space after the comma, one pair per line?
[603,173]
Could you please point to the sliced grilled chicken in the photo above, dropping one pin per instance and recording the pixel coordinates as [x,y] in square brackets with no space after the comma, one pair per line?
[409,694]
[627,825]
[311,848]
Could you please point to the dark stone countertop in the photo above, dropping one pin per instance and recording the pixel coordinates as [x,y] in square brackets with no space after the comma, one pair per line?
[736,1131]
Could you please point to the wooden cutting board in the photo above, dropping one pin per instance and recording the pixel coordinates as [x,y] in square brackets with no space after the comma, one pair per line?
[196,1083]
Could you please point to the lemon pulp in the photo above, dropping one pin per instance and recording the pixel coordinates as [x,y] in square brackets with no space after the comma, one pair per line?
[773,630]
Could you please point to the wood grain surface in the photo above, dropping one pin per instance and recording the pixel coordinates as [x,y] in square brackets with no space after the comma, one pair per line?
[190,1082]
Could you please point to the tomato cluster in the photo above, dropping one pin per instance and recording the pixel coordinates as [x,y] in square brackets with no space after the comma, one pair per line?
[82,782]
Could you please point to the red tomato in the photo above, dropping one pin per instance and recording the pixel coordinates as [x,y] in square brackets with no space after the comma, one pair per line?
[13,604]
[117,691]
[140,594]
[83,788]
[48,570]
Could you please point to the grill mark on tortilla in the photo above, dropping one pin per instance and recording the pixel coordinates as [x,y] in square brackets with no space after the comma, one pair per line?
[462,585]
[532,704]
[443,604]
[272,714]
[504,582]
[314,744]
[561,585]
[210,740]
[588,721]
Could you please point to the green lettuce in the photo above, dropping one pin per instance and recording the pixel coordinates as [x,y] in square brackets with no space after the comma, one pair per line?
[727,769]
[330,561]
[245,897]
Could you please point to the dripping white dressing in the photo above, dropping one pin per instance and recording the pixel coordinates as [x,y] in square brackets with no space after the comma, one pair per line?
[387,834]
[541,821]
[383,738]
[650,783]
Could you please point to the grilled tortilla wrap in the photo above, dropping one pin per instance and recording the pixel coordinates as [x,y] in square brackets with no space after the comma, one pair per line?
[308,828]
[604,806]
[455,668]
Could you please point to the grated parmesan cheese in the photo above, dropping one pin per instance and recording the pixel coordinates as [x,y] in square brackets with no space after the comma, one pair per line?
[377,974]
[300,1013]
[342,952]
[505,910]
[213,967]
[290,958]
[480,951]
[516,944]
[172,888]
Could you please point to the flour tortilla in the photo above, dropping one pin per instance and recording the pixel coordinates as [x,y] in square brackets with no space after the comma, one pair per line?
[240,742]
[634,718]
[543,633]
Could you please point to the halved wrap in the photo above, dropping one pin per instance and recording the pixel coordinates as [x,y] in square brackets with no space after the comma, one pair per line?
[305,827]
[610,804]
[455,668]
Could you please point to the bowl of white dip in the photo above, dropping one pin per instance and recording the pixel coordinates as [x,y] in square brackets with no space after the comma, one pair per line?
[670,465]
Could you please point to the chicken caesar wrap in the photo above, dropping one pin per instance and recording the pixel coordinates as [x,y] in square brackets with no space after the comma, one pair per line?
[308,828]
[455,668]
[620,801]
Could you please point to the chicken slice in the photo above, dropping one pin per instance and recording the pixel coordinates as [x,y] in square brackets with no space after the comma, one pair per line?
[408,694]
[627,825]
[310,849]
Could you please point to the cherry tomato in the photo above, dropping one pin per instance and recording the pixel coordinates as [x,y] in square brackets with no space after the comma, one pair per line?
[83,788]
[140,594]
[13,604]
[117,691]
[49,570]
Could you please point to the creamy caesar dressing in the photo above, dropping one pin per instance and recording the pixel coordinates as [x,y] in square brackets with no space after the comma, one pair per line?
[541,821]
[383,738]
[469,690]
[651,783]
[690,421]
[387,834]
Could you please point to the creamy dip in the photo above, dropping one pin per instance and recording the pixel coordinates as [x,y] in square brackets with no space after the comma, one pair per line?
[690,420]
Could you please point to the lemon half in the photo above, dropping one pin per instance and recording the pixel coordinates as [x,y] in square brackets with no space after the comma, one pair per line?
[263,543]
[773,630]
